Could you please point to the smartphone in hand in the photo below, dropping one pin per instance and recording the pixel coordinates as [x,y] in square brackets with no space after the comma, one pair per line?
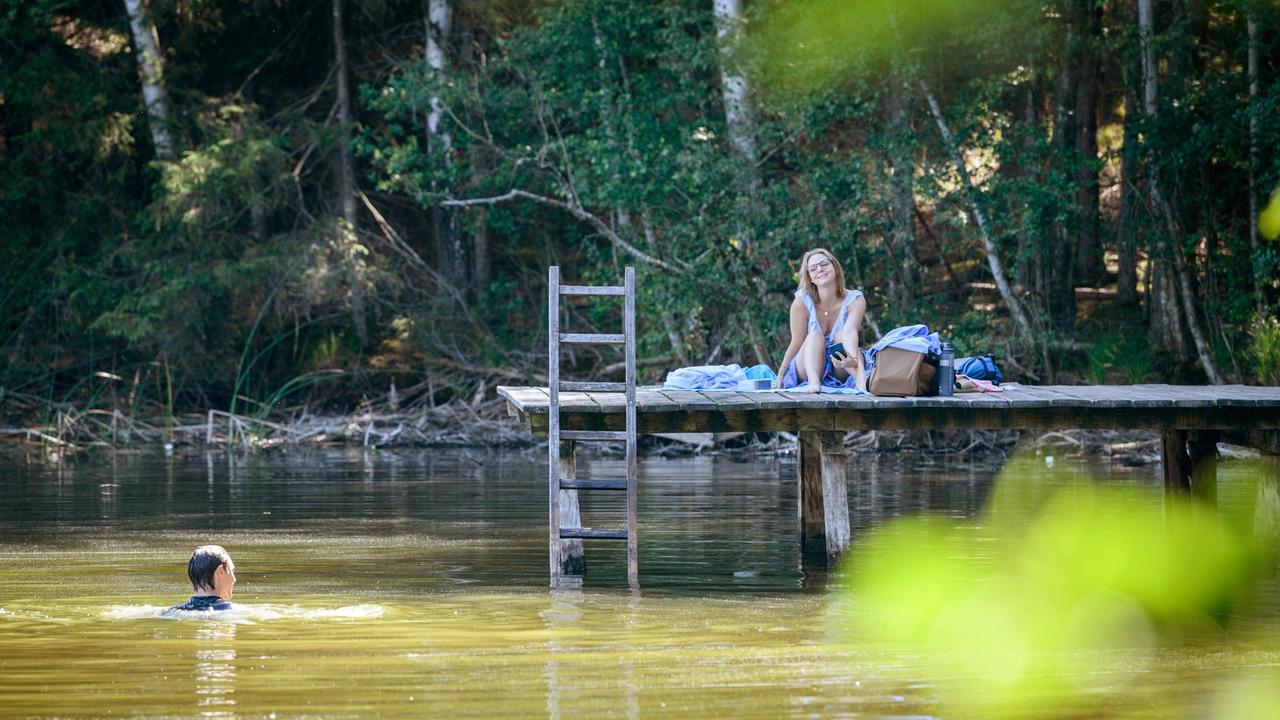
[837,351]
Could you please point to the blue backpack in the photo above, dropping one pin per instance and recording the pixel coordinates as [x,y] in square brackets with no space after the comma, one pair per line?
[982,367]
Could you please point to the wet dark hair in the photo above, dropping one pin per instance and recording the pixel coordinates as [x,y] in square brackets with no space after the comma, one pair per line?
[204,562]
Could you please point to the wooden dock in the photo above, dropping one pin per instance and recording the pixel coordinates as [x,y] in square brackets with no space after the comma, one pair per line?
[1190,418]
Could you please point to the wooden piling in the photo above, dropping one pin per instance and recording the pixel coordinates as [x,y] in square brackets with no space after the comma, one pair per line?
[573,561]
[823,496]
[1174,462]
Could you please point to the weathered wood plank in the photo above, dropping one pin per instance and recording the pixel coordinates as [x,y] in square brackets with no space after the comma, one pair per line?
[553,418]
[651,400]
[593,338]
[1029,407]
[1097,396]
[526,399]
[592,290]
[629,329]
[730,401]
[593,386]
[689,400]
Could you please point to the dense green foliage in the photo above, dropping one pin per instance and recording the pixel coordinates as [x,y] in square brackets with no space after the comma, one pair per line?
[228,270]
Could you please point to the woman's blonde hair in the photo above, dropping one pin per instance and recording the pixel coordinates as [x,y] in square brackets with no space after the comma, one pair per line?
[806,284]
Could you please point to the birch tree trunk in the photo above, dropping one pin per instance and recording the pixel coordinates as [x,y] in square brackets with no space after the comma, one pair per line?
[451,256]
[347,173]
[734,86]
[438,25]
[1167,295]
[1254,161]
[151,72]
[980,219]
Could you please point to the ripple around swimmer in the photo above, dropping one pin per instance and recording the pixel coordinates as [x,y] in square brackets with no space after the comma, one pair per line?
[245,613]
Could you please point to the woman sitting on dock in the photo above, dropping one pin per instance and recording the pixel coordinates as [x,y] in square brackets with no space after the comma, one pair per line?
[824,313]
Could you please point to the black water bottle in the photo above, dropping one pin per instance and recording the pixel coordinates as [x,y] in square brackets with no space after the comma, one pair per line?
[947,371]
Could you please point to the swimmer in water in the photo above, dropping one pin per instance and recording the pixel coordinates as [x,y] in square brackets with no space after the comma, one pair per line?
[213,578]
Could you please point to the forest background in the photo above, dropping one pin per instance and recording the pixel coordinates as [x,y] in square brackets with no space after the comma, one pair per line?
[259,205]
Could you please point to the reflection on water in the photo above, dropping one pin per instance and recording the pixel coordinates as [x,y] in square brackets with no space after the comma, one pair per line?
[215,670]
[413,584]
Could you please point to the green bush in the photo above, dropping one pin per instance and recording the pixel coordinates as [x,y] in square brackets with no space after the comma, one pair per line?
[1264,351]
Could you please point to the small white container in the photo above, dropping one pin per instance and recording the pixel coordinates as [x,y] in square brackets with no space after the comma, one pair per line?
[761,384]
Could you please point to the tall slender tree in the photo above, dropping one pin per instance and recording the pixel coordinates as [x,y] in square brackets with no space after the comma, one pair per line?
[1255,152]
[1089,265]
[735,88]
[1173,277]
[451,256]
[155,96]
[347,174]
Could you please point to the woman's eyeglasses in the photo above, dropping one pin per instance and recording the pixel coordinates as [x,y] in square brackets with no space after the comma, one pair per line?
[820,265]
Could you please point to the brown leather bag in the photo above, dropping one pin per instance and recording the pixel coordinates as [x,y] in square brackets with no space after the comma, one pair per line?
[902,373]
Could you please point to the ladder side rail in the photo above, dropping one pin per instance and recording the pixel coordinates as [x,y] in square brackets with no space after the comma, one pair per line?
[553,418]
[629,330]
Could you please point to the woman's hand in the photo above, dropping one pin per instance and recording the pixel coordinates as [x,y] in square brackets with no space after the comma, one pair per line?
[843,362]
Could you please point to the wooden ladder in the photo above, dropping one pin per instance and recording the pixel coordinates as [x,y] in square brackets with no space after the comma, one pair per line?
[558,482]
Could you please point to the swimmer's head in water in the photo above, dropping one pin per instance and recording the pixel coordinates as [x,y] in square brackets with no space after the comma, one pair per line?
[210,569]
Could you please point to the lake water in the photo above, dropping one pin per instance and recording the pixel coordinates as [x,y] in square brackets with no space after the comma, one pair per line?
[414,584]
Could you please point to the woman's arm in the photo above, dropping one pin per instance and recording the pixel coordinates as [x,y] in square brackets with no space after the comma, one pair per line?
[799,322]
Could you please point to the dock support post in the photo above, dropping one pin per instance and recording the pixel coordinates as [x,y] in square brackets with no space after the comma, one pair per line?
[1202,451]
[573,561]
[1174,461]
[824,500]
[1189,460]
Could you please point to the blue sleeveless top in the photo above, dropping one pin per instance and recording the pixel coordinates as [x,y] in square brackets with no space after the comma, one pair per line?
[815,326]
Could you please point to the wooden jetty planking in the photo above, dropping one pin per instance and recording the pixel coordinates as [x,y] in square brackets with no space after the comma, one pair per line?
[1027,407]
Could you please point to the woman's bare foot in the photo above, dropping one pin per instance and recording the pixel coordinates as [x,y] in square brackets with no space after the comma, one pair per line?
[812,388]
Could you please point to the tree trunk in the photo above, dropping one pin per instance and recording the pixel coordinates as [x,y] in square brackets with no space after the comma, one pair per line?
[1027,269]
[734,86]
[901,192]
[1166,324]
[438,25]
[347,174]
[451,257]
[1090,269]
[1020,320]
[1126,220]
[151,72]
[1254,163]
[1061,290]
[480,251]
[1173,279]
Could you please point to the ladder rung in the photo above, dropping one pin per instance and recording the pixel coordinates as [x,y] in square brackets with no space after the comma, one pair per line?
[593,435]
[592,339]
[594,386]
[593,290]
[593,484]
[592,534]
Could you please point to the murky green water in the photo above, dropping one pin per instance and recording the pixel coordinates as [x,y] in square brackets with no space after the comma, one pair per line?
[413,584]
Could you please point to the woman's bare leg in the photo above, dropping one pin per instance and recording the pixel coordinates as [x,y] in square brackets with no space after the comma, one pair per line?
[812,362]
